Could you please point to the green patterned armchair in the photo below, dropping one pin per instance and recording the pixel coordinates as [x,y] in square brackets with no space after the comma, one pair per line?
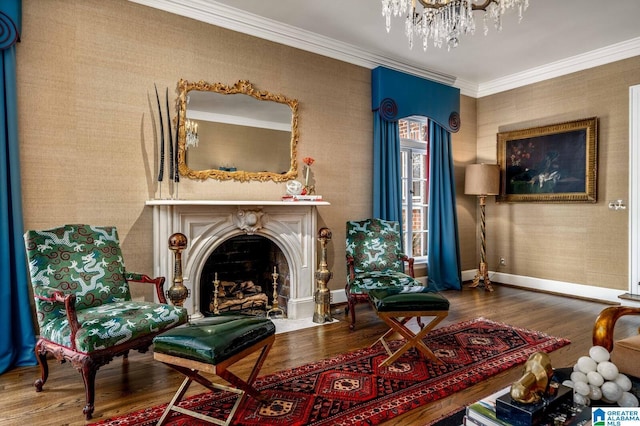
[374,260]
[83,303]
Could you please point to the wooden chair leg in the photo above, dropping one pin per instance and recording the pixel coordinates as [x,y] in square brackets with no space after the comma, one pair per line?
[89,371]
[191,376]
[396,322]
[41,356]
[247,385]
[352,310]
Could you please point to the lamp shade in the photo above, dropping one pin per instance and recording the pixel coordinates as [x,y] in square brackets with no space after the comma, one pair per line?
[482,179]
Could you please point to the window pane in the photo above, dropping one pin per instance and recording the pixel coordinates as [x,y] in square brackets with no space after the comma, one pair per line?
[403,166]
[415,187]
[419,244]
[404,220]
[418,163]
[422,191]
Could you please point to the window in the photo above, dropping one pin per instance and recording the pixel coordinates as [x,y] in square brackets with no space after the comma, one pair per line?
[414,154]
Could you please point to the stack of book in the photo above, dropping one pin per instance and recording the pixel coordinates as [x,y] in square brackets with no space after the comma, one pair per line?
[483,413]
[302,198]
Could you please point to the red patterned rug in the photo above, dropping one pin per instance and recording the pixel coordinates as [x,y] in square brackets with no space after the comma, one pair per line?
[352,389]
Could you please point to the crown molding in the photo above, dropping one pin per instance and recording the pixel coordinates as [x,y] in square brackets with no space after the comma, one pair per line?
[237,20]
[234,19]
[605,55]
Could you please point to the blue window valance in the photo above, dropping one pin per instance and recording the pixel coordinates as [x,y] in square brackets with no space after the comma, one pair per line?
[397,95]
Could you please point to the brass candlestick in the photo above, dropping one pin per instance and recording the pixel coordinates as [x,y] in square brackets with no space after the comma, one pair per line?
[275,309]
[177,293]
[322,297]
[216,283]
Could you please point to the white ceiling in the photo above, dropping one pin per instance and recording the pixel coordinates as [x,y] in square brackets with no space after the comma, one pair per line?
[555,37]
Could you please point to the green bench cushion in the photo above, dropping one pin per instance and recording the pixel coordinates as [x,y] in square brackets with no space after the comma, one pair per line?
[214,339]
[408,298]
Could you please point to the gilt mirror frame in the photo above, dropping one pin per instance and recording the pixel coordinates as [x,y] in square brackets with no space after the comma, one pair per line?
[241,87]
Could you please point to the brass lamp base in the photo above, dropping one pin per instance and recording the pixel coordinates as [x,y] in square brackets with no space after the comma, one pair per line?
[483,273]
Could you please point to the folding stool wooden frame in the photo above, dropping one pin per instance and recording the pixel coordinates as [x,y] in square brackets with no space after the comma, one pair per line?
[191,369]
[397,320]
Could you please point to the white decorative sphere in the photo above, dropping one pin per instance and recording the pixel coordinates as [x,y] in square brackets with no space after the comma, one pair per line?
[581,399]
[575,367]
[628,400]
[582,388]
[599,354]
[594,378]
[579,376]
[568,383]
[586,364]
[294,187]
[624,382]
[611,391]
[608,370]
[595,393]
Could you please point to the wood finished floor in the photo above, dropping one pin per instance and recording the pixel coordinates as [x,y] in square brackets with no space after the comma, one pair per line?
[141,382]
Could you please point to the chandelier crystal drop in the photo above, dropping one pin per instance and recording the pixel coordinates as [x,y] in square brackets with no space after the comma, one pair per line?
[445,21]
[192,138]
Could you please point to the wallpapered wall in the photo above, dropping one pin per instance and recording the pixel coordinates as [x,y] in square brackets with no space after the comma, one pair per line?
[86,70]
[86,74]
[576,243]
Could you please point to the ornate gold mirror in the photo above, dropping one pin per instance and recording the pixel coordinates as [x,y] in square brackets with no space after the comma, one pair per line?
[236,132]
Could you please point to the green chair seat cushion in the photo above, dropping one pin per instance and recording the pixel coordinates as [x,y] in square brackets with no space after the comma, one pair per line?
[112,324]
[367,281]
[214,339]
[406,299]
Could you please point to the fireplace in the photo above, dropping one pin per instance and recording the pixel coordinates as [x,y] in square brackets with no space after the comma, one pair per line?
[207,224]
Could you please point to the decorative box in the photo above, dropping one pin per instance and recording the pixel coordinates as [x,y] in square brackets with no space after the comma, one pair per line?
[519,414]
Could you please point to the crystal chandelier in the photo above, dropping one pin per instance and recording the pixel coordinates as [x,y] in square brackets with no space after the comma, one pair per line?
[191,129]
[444,21]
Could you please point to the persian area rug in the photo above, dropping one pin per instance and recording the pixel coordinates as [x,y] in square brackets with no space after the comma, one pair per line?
[352,388]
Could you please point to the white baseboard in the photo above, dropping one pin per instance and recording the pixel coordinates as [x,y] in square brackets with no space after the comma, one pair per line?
[559,287]
[607,295]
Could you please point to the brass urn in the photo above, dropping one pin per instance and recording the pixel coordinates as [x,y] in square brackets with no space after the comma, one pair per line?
[177,293]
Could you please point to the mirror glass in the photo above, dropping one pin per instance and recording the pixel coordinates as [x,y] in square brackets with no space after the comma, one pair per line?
[236,132]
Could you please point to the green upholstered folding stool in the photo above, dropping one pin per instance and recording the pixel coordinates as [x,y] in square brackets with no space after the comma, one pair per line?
[397,305]
[212,345]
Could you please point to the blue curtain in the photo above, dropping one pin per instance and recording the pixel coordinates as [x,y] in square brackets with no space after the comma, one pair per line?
[387,187]
[444,244]
[17,337]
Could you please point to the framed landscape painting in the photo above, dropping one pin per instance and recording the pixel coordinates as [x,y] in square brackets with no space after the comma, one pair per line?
[555,163]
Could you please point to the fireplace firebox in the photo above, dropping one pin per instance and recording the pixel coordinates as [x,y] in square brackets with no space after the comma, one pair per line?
[244,267]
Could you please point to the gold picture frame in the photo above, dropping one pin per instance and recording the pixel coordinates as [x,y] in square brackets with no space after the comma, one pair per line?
[549,164]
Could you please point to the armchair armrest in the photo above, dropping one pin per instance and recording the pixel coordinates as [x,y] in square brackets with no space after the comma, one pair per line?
[142,278]
[410,261]
[54,295]
[351,268]
[605,323]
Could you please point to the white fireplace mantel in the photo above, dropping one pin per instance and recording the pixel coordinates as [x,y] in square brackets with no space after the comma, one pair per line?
[292,225]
